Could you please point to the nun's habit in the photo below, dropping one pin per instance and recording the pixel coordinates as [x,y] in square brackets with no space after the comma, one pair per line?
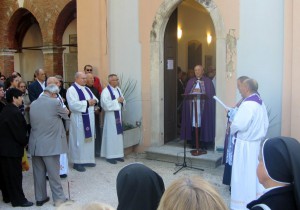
[281,157]
[139,188]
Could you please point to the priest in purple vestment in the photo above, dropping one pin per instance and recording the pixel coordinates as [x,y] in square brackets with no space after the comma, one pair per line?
[206,124]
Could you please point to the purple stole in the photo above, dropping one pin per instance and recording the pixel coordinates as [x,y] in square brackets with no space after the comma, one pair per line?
[117,114]
[85,115]
[255,97]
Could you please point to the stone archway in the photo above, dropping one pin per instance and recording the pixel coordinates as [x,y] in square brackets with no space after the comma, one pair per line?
[156,67]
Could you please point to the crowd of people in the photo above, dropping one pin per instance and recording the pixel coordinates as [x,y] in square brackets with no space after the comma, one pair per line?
[42,117]
[263,173]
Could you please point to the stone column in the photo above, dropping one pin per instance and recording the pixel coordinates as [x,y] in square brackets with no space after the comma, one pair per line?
[53,61]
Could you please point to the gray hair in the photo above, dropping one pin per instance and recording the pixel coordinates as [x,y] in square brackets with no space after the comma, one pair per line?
[51,80]
[52,89]
[59,77]
[37,72]
[242,78]
[252,85]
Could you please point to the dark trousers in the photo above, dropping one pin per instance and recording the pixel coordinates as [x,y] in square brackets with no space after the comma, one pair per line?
[11,180]
[227,174]
[98,139]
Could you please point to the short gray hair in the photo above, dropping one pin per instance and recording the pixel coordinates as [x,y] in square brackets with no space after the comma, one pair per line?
[59,77]
[252,85]
[52,89]
[37,71]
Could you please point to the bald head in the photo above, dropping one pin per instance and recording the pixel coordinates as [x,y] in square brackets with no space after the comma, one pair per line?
[53,80]
[89,80]
[199,71]
[80,78]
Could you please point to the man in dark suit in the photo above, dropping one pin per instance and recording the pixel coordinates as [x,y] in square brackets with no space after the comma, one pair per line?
[46,143]
[98,139]
[12,142]
[37,87]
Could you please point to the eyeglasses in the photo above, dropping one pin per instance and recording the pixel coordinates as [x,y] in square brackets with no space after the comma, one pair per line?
[89,69]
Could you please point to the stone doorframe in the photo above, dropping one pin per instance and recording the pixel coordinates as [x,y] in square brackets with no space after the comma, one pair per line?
[157,68]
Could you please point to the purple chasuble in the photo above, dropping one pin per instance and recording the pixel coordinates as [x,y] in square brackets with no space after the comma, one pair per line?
[85,115]
[117,114]
[207,115]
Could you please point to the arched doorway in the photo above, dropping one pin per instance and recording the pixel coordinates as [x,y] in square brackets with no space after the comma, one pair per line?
[26,38]
[157,67]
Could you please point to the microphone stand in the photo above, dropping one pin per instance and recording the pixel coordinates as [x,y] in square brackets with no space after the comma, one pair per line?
[184,164]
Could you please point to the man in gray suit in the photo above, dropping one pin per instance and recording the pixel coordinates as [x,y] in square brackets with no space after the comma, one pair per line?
[47,141]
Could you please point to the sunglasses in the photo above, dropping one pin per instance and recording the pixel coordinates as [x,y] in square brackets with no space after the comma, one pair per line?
[89,69]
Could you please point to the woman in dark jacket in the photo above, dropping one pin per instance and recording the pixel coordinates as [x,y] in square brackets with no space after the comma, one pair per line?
[139,187]
[12,142]
[279,172]
[2,99]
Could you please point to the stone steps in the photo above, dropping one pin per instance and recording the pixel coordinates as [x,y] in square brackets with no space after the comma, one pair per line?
[173,152]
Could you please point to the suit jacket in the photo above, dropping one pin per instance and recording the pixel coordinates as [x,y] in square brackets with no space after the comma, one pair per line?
[48,135]
[13,132]
[34,90]
[276,199]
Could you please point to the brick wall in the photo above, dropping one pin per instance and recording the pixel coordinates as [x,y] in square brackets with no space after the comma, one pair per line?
[53,16]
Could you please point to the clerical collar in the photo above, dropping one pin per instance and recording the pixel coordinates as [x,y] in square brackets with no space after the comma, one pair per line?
[79,86]
[113,87]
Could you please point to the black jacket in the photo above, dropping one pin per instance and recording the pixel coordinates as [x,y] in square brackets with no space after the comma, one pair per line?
[12,132]
[276,199]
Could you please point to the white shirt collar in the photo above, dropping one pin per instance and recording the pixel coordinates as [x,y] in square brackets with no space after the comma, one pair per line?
[79,86]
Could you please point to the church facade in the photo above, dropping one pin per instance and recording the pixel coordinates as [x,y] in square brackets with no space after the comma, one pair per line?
[127,37]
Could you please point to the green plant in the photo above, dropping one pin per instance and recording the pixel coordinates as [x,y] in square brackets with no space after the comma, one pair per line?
[128,86]
[127,126]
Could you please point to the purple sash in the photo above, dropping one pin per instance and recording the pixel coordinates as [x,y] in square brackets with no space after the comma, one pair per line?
[85,115]
[254,98]
[117,114]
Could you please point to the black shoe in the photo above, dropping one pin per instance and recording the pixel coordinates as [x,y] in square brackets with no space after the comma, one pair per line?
[63,176]
[40,203]
[119,159]
[6,200]
[89,164]
[25,204]
[47,178]
[79,167]
[112,161]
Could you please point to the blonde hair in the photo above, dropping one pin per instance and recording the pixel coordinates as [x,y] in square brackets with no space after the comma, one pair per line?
[191,193]
[88,206]
[97,206]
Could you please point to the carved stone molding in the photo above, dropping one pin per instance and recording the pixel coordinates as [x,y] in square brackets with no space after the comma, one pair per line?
[230,53]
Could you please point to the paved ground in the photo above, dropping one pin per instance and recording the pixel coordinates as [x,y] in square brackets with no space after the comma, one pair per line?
[99,183]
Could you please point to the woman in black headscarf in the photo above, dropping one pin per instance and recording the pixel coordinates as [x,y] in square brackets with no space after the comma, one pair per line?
[279,172]
[139,187]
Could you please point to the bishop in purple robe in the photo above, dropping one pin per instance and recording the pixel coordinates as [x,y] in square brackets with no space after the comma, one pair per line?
[207,110]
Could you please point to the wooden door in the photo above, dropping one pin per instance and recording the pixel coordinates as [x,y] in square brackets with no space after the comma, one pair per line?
[170,79]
